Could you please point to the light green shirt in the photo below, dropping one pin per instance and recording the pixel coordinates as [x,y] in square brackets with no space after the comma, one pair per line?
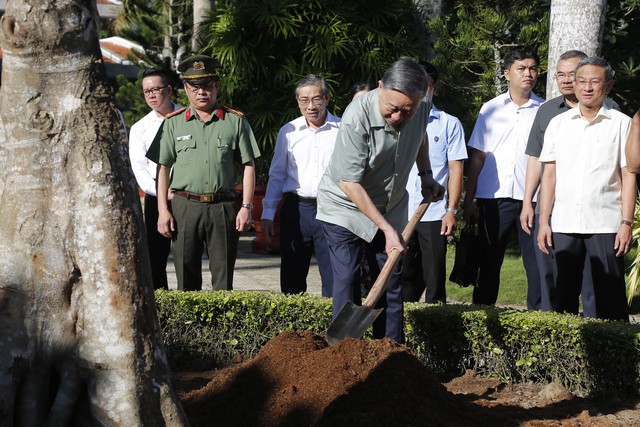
[204,155]
[371,152]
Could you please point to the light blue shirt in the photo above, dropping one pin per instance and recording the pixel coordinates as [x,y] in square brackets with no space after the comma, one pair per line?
[446,143]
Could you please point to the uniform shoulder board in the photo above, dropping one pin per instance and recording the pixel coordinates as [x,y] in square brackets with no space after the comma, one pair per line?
[236,112]
[176,112]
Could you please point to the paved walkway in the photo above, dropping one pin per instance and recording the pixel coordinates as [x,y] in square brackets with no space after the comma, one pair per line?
[253,272]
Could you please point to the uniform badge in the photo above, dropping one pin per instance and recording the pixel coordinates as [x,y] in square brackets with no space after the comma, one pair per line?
[198,65]
[184,138]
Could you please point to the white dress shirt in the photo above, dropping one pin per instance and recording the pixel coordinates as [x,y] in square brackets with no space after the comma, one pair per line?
[140,138]
[502,131]
[589,159]
[300,158]
[446,143]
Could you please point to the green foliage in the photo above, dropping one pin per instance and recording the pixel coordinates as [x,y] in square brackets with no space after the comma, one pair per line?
[471,38]
[130,100]
[585,355]
[266,46]
[216,326]
[619,47]
[633,278]
[162,27]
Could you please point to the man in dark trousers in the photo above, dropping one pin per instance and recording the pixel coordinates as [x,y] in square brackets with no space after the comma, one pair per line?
[497,165]
[362,199]
[204,143]
[302,153]
[157,93]
[587,196]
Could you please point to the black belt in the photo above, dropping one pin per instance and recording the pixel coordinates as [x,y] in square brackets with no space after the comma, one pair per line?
[304,200]
[221,196]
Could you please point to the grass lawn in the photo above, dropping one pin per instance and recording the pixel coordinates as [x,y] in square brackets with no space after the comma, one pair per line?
[513,280]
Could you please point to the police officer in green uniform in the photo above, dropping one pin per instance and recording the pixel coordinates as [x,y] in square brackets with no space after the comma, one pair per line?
[204,143]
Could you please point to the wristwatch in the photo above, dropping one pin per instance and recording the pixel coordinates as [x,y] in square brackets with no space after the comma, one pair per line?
[453,211]
[248,206]
[425,172]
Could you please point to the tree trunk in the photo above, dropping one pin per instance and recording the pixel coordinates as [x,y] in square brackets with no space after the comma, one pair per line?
[79,339]
[575,24]
[200,10]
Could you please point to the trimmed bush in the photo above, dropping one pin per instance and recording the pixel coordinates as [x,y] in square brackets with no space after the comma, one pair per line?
[585,355]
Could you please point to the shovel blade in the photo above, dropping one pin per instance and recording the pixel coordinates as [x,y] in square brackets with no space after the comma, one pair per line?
[352,321]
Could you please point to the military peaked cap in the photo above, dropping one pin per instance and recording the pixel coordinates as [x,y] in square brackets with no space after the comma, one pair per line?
[199,68]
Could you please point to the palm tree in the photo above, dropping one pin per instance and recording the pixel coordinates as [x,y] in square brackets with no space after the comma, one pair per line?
[265,47]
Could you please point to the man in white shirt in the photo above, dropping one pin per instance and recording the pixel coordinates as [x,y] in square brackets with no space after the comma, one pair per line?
[496,176]
[424,264]
[157,93]
[302,153]
[590,192]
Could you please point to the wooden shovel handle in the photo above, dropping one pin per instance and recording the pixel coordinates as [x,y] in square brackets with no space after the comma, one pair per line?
[380,284]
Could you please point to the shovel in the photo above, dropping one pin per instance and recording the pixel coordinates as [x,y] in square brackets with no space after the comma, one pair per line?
[353,320]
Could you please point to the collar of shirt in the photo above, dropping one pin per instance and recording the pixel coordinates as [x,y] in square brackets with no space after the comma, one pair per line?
[331,121]
[534,101]
[375,118]
[603,113]
[434,114]
[218,112]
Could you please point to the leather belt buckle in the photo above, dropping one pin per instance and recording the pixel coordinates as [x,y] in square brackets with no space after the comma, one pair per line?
[206,198]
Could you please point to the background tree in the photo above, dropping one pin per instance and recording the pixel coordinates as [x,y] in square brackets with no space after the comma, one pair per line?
[470,40]
[163,27]
[575,24]
[265,47]
[467,34]
[201,10]
[79,338]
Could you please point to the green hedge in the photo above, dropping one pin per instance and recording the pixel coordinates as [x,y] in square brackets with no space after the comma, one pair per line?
[586,356]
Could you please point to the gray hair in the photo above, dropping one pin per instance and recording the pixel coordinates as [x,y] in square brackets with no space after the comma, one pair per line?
[313,80]
[570,54]
[598,62]
[406,76]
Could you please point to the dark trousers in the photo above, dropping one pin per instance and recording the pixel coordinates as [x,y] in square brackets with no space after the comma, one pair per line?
[159,246]
[496,219]
[424,264]
[548,277]
[197,223]
[607,272]
[346,251]
[300,235]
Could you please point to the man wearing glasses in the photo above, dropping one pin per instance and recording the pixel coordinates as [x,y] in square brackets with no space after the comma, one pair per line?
[204,143]
[591,194]
[157,93]
[302,153]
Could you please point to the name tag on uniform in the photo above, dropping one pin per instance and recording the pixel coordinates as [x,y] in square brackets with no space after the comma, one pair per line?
[184,138]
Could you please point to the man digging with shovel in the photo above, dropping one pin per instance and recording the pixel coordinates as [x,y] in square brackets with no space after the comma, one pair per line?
[362,201]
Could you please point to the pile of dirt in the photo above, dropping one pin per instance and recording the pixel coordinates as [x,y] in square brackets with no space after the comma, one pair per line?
[298,380]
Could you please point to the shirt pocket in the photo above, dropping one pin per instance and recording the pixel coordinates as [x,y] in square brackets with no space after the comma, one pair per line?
[225,149]
[185,152]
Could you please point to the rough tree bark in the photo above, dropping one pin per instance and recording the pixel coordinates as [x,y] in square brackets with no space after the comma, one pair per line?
[575,24]
[79,338]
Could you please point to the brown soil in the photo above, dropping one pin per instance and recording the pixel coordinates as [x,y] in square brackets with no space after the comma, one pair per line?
[298,380]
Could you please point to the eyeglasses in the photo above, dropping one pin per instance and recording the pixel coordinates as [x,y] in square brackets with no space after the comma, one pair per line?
[562,76]
[153,91]
[205,86]
[316,100]
[593,83]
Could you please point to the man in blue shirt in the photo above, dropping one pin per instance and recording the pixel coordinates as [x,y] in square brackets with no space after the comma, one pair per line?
[424,264]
